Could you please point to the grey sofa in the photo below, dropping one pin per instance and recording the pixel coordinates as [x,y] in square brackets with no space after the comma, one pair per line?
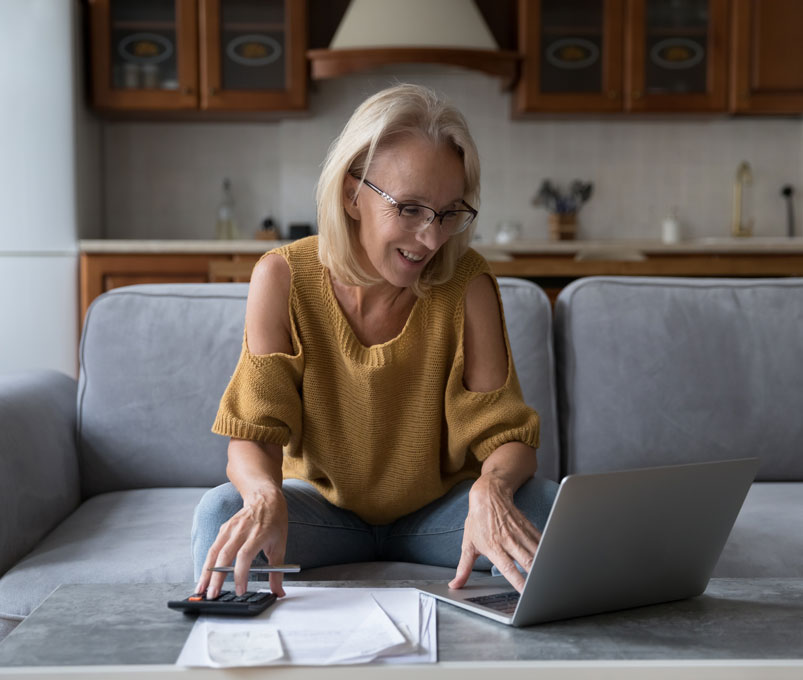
[99,478]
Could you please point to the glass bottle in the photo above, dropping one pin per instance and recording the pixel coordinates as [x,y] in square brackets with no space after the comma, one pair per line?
[226,227]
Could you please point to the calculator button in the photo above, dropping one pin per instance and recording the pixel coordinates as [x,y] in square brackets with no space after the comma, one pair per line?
[243,598]
[195,598]
[258,597]
[228,596]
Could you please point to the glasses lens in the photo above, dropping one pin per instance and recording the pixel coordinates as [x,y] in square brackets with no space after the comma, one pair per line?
[456,221]
[415,217]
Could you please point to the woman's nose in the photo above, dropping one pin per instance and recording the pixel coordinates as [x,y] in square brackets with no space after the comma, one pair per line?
[432,235]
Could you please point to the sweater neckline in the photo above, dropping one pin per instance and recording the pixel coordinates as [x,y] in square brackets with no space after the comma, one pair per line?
[348,338]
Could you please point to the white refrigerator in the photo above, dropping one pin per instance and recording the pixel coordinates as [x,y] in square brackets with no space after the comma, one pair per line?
[48,183]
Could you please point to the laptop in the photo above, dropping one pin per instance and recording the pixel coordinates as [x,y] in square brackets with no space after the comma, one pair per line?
[616,540]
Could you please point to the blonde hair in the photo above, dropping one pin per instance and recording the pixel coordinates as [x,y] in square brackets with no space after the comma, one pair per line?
[378,122]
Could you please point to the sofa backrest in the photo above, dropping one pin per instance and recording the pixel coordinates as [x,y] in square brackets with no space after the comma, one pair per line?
[528,317]
[655,371]
[155,360]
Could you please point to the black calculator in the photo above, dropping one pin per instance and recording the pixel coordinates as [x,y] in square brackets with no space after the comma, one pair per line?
[227,602]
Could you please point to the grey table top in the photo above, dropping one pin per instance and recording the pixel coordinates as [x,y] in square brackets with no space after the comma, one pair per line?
[83,625]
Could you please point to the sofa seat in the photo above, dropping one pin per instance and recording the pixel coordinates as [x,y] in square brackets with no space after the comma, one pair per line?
[137,536]
[140,536]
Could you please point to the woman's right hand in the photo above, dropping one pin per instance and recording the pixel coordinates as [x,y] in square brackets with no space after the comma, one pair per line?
[260,525]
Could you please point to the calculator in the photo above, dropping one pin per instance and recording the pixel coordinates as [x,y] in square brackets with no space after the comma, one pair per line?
[227,602]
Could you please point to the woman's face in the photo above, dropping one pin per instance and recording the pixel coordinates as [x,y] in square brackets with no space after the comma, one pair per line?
[413,170]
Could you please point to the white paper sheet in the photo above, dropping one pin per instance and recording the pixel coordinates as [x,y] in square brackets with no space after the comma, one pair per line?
[321,626]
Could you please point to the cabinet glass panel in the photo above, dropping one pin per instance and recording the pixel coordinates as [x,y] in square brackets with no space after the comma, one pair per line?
[143,44]
[571,46]
[252,44]
[676,47]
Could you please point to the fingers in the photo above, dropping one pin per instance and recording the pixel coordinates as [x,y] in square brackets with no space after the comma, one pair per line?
[238,542]
[211,582]
[508,569]
[276,556]
[468,557]
[500,531]
[520,543]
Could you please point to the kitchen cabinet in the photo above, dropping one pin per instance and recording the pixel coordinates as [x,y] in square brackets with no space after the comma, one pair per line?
[767,56]
[622,55]
[103,271]
[552,265]
[197,55]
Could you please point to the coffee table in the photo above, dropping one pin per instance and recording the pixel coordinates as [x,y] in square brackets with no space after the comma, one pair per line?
[748,625]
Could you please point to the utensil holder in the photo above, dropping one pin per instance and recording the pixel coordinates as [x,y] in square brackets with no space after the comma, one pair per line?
[562,226]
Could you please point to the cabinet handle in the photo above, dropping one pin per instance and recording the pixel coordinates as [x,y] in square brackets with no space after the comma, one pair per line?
[187,90]
[613,94]
[637,94]
[213,91]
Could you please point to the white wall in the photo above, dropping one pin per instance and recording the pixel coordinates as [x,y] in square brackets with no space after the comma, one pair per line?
[163,180]
[37,174]
[39,184]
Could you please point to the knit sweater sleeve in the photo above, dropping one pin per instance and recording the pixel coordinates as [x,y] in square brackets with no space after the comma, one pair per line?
[263,399]
[480,422]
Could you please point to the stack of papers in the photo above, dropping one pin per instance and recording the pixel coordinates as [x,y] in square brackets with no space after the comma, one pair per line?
[321,626]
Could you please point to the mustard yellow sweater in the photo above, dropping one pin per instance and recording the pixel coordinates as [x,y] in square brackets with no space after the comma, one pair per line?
[380,430]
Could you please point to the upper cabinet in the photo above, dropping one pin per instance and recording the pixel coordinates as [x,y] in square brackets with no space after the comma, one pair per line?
[211,55]
[622,55]
[677,55]
[767,56]
[572,55]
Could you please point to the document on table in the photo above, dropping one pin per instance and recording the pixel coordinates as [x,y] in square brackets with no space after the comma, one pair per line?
[321,626]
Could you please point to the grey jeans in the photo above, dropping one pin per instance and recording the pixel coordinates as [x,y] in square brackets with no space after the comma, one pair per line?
[321,534]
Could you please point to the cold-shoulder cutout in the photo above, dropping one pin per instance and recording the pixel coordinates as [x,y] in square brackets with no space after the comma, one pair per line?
[267,315]
[485,351]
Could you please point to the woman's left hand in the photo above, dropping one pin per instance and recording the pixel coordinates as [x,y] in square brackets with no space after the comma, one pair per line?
[497,529]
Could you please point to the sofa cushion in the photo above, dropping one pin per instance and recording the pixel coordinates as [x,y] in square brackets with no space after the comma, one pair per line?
[155,360]
[657,371]
[766,539]
[39,483]
[139,536]
[528,317]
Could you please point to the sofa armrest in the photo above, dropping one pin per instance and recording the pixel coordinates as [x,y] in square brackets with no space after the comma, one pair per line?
[39,481]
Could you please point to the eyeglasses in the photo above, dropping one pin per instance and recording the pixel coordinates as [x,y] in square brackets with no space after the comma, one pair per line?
[415,218]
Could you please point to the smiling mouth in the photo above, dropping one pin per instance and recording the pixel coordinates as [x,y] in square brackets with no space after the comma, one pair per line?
[410,257]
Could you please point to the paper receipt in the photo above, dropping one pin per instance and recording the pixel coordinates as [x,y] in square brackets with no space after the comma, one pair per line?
[252,646]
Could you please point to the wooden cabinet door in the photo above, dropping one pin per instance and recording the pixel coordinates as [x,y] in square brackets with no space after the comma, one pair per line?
[676,55]
[144,54]
[253,54]
[767,56]
[572,55]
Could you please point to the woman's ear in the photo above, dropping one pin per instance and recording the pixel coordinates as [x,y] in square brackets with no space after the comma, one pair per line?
[350,197]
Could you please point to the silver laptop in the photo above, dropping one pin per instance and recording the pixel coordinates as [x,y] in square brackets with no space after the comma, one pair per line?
[616,540]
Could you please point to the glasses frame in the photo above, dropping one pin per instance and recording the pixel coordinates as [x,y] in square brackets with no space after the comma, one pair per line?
[437,215]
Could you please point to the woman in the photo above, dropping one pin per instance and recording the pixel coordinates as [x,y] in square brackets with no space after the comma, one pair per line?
[376,354]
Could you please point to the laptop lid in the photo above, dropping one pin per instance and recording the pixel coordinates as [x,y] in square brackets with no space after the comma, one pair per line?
[616,540]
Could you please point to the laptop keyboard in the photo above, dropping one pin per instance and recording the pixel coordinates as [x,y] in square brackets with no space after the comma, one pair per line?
[501,602]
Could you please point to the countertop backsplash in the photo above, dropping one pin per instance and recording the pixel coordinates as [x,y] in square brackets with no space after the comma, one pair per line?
[163,180]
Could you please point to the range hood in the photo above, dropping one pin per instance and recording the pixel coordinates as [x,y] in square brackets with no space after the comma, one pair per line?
[378,32]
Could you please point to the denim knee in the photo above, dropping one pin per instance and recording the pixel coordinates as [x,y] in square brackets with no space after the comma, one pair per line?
[215,507]
[535,499]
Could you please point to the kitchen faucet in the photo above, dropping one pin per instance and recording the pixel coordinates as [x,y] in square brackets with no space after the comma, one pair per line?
[744,178]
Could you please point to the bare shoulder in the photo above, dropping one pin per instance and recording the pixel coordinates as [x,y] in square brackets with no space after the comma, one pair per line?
[267,314]
[481,296]
[484,339]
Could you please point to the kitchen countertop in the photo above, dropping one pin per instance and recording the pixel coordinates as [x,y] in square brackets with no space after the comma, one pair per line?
[627,249]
